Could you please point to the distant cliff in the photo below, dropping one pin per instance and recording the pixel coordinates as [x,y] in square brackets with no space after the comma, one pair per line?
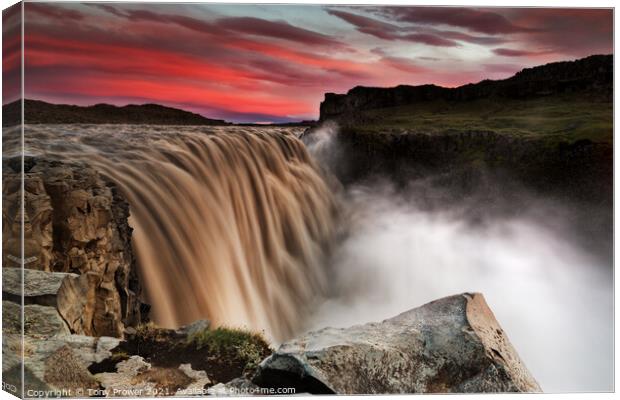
[40,112]
[546,131]
[591,75]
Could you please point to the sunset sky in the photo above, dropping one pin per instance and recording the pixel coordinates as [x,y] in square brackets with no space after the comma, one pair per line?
[273,63]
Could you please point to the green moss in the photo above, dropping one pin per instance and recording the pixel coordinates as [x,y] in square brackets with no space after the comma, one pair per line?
[248,347]
[150,332]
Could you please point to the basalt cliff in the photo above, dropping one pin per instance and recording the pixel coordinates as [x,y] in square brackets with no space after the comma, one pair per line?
[546,131]
[592,76]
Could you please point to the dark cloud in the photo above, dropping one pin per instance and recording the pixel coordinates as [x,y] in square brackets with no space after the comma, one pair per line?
[11,53]
[475,20]
[464,37]
[385,31]
[231,25]
[517,53]
[276,29]
[404,64]
[108,8]
[429,39]
[576,32]
[426,35]
[53,11]
[369,26]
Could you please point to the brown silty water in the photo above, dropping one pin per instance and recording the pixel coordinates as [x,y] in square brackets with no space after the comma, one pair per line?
[231,224]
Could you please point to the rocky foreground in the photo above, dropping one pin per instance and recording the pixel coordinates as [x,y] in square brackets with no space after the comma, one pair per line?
[86,331]
[451,345]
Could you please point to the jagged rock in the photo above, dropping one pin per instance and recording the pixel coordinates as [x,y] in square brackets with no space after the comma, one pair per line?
[85,351]
[195,327]
[39,321]
[124,382]
[76,303]
[39,287]
[449,345]
[75,222]
[135,377]
[37,220]
[200,381]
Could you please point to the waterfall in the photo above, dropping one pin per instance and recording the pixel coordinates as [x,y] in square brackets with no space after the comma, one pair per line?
[230,224]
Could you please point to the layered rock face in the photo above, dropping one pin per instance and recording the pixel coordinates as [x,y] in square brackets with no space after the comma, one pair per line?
[592,75]
[77,244]
[581,170]
[449,345]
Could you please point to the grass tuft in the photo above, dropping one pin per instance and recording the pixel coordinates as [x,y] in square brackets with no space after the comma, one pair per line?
[247,347]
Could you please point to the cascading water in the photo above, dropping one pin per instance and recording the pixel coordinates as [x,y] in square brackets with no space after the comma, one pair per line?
[234,224]
[230,224]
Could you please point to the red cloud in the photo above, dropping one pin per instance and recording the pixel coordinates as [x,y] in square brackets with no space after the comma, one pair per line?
[52,11]
[250,67]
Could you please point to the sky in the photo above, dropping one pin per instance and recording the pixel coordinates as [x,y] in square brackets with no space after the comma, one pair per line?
[274,63]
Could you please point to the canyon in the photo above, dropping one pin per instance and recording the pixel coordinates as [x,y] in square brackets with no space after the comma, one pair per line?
[141,238]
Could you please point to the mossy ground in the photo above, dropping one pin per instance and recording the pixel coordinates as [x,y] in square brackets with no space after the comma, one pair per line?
[247,347]
[224,353]
[567,117]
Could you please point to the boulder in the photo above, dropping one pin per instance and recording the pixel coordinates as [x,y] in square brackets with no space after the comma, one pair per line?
[39,287]
[453,345]
[39,321]
[197,386]
[124,381]
[190,330]
[82,351]
[135,377]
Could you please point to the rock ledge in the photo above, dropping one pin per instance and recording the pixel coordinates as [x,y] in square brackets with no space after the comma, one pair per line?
[453,344]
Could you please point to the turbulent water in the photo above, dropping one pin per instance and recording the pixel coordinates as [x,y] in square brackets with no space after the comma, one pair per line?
[230,224]
[548,288]
[235,224]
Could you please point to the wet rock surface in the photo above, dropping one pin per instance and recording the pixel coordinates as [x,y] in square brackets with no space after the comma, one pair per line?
[449,345]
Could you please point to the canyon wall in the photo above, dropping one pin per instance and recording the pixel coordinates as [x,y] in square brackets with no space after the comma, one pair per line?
[76,232]
[592,75]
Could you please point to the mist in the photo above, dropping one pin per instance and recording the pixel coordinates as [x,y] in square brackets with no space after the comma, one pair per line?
[553,297]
